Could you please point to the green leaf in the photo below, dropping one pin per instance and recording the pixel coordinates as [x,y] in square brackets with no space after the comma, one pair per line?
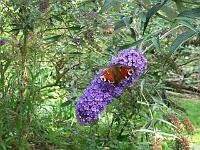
[16,29]
[112,3]
[136,43]
[148,124]
[180,40]
[130,44]
[185,22]
[76,53]
[123,137]
[156,42]
[195,12]
[179,5]
[186,54]
[76,28]
[133,34]
[169,12]
[2,145]
[152,11]
[66,103]
[54,38]
[125,21]
[107,4]
[58,18]
[147,2]
[30,27]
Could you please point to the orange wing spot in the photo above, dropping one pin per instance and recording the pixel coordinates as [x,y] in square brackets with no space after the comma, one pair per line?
[123,72]
[107,74]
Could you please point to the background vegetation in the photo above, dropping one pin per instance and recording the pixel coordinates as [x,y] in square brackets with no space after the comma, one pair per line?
[50,50]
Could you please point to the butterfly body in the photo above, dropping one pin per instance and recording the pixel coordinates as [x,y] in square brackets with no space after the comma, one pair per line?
[116,73]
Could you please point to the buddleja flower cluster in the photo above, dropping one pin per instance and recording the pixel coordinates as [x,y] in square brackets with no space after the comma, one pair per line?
[99,93]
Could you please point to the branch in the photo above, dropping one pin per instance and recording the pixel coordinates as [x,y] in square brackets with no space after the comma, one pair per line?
[55,29]
[189,61]
[181,87]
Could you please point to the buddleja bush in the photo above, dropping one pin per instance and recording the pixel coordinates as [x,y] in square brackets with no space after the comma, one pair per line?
[51,50]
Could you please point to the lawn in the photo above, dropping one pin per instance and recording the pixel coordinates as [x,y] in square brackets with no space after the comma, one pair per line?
[193,112]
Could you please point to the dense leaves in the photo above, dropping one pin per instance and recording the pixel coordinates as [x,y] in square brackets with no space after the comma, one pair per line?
[51,50]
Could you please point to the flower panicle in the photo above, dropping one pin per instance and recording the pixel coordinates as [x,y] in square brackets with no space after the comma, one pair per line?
[156,142]
[175,121]
[99,93]
[188,124]
[183,143]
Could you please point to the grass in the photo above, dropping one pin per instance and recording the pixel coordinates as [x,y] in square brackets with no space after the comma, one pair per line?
[193,112]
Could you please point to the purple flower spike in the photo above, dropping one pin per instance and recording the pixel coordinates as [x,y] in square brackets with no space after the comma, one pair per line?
[91,104]
[99,93]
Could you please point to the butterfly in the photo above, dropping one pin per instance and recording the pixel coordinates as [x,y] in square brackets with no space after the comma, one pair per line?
[116,73]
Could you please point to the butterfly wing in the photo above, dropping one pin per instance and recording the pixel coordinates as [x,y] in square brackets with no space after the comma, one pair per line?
[107,75]
[125,72]
[116,73]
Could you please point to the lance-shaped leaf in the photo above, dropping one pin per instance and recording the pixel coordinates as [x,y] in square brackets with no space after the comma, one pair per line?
[195,12]
[180,40]
[107,4]
[125,21]
[156,42]
[152,11]
[54,38]
[169,12]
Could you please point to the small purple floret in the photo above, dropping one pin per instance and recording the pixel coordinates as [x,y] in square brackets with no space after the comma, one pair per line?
[2,42]
[99,93]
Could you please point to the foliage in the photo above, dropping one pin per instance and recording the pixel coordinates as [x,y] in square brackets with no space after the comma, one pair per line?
[50,51]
